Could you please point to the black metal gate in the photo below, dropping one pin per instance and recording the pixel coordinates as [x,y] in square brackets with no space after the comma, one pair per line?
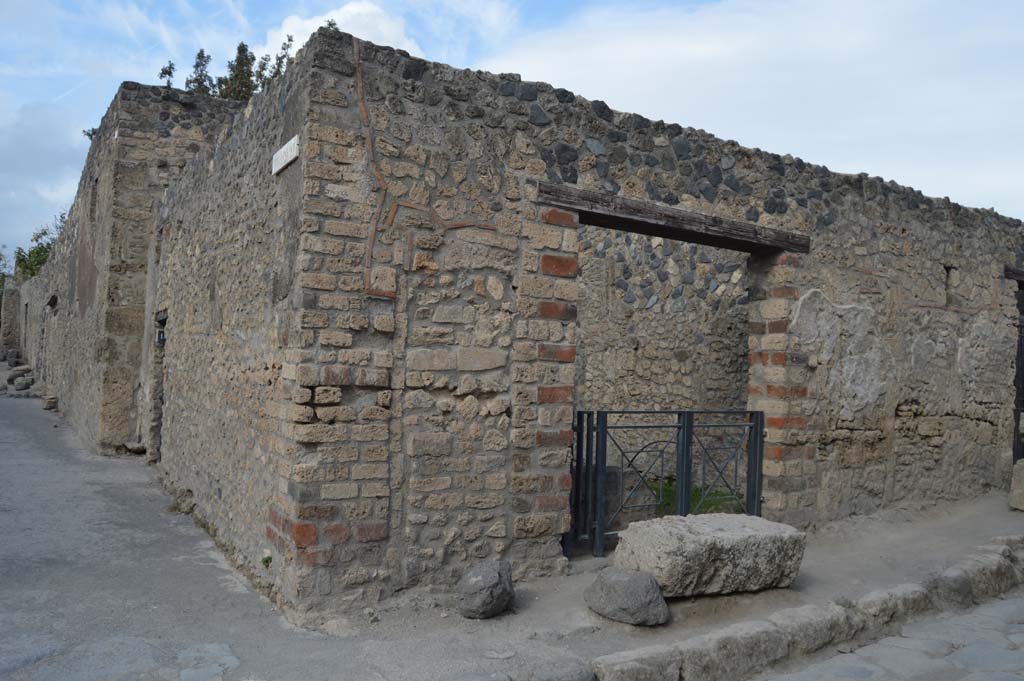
[631,465]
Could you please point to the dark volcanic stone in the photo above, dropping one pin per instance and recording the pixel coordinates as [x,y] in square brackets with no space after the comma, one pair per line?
[485,590]
[538,116]
[627,596]
[602,110]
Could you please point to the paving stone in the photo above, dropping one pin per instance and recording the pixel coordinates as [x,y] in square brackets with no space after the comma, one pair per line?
[908,664]
[958,636]
[976,620]
[929,646]
[846,667]
[962,647]
[1008,611]
[989,658]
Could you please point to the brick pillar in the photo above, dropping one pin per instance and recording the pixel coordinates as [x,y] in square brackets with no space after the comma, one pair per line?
[330,520]
[544,387]
[780,385]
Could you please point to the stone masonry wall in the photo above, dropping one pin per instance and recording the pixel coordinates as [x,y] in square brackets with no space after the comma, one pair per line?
[370,360]
[10,315]
[663,324]
[436,371]
[224,293]
[884,359]
[84,310]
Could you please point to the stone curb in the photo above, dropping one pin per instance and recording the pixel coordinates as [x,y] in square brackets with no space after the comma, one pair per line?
[746,648]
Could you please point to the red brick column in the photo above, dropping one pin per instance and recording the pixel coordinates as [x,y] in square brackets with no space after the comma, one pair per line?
[780,385]
[544,386]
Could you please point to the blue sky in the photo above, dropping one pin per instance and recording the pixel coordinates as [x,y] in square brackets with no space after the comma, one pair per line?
[927,92]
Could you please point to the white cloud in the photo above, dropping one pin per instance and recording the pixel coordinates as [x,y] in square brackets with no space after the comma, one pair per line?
[455,28]
[927,93]
[61,193]
[236,13]
[361,18]
[128,19]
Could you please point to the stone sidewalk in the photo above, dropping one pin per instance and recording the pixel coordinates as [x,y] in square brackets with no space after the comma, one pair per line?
[99,581]
[983,644]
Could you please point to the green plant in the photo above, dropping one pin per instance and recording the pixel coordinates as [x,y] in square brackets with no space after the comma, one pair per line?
[267,560]
[240,83]
[167,73]
[28,262]
[712,501]
[200,82]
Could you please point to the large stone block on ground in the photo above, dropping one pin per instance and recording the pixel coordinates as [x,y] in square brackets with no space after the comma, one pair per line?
[717,553]
[627,596]
[485,590]
[1017,486]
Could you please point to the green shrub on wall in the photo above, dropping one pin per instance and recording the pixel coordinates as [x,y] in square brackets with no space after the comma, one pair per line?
[28,262]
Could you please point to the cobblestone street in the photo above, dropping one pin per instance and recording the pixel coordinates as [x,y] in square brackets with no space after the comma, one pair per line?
[983,644]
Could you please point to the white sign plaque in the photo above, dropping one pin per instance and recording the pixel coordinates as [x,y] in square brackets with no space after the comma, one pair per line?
[285,155]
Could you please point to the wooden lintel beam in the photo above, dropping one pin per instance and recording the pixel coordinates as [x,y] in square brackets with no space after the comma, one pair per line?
[1014,273]
[641,217]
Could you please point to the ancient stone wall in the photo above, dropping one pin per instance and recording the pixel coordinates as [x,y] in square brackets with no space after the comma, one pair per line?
[83,313]
[884,359]
[10,315]
[429,380]
[220,319]
[363,368]
[663,324]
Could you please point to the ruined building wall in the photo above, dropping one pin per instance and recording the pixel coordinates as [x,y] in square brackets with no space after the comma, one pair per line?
[84,310]
[227,242]
[438,346]
[907,403]
[663,324]
[885,361]
[433,381]
[371,359]
[10,315]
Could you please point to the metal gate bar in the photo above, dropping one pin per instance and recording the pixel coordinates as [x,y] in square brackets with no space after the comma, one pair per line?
[693,440]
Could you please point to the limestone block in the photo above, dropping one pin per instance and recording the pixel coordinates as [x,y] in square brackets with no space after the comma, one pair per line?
[812,627]
[428,359]
[1017,486]
[651,663]
[481,359]
[715,553]
[883,606]
[733,652]
[972,580]
[627,596]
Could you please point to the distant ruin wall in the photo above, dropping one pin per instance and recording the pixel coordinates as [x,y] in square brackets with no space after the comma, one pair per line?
[84,311]
[10,315]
